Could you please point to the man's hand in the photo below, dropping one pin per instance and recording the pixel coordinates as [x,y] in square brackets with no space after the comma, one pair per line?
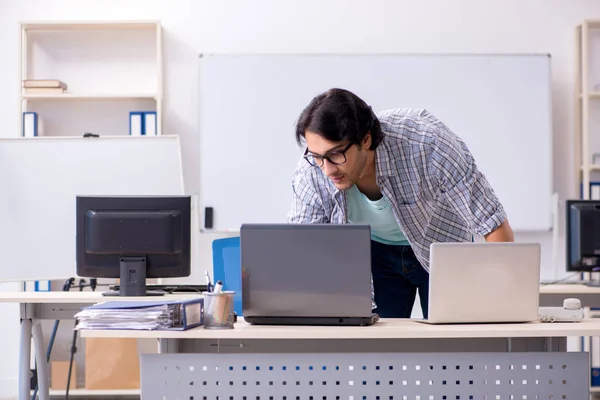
[503,233]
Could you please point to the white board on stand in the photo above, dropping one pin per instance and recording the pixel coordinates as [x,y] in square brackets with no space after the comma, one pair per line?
[499,104]
[41,177]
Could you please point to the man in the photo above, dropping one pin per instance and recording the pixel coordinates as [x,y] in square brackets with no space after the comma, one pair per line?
[405,174]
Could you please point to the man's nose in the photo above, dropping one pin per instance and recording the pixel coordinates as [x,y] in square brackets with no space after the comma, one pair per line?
[328,167]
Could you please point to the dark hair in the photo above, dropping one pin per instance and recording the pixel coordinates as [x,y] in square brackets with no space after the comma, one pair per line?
[338,115]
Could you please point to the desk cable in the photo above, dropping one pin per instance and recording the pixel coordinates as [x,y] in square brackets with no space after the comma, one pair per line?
[74,342]
[559,280]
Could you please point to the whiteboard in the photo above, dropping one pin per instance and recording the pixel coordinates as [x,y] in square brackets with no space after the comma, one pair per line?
[41,177]
[499,104]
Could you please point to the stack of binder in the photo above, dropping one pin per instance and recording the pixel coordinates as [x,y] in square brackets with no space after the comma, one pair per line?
[143,315]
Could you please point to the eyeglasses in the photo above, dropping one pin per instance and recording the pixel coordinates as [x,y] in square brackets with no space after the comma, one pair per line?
[336,157]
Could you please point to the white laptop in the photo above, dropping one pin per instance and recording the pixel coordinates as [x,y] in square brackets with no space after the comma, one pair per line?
[484,282]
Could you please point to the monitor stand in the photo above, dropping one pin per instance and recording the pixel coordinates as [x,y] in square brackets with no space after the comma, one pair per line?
[593,283]
[133,279]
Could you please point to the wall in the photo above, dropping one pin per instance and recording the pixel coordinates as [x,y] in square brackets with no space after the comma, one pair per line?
[270,26]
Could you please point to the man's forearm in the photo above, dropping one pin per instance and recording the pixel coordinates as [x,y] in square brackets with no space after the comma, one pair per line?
[503,233]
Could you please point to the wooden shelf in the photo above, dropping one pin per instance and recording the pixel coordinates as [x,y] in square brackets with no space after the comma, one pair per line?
[88,25]
[591,167]
[593,23]
[591,95]
[89,96]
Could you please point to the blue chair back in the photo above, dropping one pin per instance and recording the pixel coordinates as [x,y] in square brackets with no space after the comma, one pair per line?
[227,268]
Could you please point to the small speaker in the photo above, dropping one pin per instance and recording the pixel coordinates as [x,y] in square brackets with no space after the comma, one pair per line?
[208,217]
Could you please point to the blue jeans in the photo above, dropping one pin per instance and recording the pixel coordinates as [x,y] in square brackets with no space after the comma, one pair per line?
[397,277]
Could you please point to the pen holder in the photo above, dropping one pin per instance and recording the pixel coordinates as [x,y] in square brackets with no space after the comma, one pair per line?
[218,310]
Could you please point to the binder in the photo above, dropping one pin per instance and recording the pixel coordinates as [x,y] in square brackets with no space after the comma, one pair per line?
[149,123]
[179,314]
[29,286]
[30,124]
[136,123]
[42,286]
[142,123]
[594,190]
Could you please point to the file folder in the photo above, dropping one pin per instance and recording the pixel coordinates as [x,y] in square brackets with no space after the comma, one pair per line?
[149,123]
[180,314]
[42,286]
[136,123]
[30,124]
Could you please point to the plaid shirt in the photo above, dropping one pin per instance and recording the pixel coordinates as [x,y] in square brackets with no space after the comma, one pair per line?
[427,173]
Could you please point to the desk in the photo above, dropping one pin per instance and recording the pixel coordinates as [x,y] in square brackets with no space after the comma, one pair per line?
[393,359]
[36,306]
[488,354]
[554,294]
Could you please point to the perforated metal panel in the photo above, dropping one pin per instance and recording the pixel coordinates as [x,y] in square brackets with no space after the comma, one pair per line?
[362,376]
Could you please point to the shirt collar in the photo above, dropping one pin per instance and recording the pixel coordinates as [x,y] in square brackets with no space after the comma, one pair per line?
[383,162]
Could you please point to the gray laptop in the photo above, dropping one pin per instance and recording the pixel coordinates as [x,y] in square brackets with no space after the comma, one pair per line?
[484,282]
[306,274]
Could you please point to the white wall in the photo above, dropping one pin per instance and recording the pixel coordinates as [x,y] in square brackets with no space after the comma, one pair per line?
[270,26]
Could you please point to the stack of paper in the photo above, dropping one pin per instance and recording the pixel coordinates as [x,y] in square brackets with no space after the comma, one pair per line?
[144,315]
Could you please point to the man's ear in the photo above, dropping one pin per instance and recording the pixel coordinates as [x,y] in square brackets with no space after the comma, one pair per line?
[366,143]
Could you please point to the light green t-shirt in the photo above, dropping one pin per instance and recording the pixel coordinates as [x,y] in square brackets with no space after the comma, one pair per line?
[378,214]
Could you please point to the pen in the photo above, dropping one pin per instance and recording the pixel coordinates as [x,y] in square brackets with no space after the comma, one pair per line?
[218,310]
[214,299]
[208,284]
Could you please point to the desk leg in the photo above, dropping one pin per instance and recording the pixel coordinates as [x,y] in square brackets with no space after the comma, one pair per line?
[24,357]
[168,346]
[41,363]
[556,344]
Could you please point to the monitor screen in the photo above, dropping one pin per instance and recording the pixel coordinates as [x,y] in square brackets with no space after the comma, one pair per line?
[583,235]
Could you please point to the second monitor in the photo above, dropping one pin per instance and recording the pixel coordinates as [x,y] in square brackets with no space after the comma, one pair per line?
[583,235]
[133,238]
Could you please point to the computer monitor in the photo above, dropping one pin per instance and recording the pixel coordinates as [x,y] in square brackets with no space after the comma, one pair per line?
[583,235]
[133,238]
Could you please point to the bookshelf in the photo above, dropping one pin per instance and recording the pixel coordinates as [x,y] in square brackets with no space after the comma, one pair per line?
[587,108]
[110,68]
[587,122]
